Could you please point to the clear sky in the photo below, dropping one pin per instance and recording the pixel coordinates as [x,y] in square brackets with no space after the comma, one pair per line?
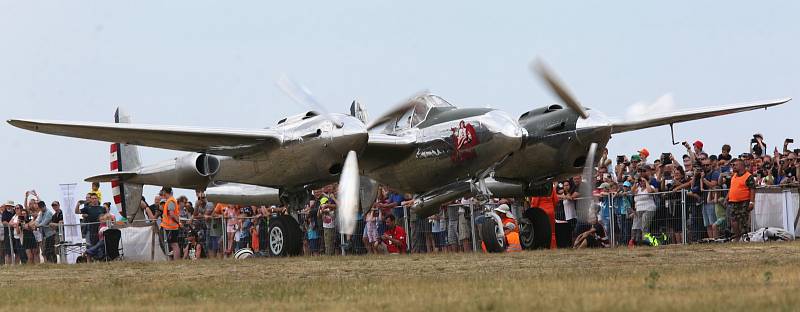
[215,63]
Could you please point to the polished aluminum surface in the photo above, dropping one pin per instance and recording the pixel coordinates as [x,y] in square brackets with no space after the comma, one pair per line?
[243,194]
[460,146]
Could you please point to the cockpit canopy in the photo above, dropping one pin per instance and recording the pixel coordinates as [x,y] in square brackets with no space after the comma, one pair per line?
[422,105]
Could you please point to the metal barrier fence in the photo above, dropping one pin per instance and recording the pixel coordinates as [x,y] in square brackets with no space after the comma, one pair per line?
[678,217]
[683,217]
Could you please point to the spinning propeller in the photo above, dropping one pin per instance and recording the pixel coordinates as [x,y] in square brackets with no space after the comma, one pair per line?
[348,203]
[585,203]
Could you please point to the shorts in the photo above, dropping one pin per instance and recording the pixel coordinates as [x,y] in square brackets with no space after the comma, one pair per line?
[709,214]
[313,244]
[463,228]
[452,232]
[637,222]
[741,214]
[213,244]
[719,209]
[173,236]
[440,239]
[646,219]
[372,233]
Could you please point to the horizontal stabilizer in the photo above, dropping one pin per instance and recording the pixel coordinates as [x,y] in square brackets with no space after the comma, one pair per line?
[111,176]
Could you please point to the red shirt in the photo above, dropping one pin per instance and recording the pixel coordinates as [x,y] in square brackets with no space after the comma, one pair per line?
[399,234]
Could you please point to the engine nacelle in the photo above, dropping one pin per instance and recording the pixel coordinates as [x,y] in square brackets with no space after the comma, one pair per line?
[193,171]
[243,194]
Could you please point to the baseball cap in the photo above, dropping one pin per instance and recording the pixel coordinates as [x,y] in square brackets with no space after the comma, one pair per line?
[627,184]
[644,152]
[698,144]
[605,185]
[636,158]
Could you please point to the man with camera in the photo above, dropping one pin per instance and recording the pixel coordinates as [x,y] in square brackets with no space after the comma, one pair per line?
[707,179]
[90,213]
[741,198]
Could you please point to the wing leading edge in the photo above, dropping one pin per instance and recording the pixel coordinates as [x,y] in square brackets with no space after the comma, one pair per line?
[225,142]
[694,114]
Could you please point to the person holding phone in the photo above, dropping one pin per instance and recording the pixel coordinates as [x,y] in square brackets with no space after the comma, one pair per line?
[644,203]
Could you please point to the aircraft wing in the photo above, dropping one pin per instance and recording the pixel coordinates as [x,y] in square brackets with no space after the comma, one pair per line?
[226,142]
[694,114]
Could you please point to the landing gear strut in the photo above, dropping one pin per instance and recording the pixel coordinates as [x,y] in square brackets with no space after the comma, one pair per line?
[492,234]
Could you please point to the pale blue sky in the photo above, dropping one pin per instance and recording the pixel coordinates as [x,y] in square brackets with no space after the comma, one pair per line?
[215,63]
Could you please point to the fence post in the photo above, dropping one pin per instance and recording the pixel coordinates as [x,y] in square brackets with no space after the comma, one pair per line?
[683,217]
[472,226]
[612,221]
[225,237]
[407,228]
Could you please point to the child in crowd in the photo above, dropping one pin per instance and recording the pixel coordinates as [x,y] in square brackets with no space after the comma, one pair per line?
[372,219]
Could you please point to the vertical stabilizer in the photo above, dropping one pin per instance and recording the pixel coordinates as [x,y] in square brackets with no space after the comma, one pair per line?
[125,157]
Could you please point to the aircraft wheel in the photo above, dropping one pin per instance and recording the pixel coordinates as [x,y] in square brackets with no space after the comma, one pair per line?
[285,237]
[535,234]
[493,236]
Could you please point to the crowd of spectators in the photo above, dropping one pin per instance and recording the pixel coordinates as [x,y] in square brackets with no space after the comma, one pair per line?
[646,196]
[639,198]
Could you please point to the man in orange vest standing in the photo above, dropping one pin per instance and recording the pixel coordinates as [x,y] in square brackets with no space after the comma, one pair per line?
[741,198]
[510,228]
[170,221]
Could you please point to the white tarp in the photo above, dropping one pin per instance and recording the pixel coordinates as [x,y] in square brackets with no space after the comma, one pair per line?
[777,208]
[141,244]
[72,233]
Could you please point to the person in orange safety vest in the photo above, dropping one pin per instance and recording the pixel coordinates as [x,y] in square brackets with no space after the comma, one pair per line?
[510,228]
[548,205]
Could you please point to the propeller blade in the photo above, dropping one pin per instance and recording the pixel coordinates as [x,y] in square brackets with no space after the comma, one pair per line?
[557,87]
[303,96]
[348,196]
[585,204]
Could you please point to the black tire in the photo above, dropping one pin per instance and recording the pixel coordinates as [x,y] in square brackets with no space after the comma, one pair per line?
[537,233]
[285,238]
[489,236]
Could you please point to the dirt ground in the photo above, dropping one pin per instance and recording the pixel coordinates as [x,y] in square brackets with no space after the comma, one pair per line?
[728,277]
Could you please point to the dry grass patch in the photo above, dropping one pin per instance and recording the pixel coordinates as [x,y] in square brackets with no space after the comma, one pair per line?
[730,277]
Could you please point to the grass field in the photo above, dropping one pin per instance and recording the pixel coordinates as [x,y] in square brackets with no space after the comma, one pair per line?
[731,277]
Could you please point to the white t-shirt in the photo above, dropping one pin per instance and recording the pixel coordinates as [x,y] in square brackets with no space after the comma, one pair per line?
[644,201]
[569,209]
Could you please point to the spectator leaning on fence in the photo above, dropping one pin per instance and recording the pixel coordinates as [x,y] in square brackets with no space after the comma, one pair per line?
[741,199]
[643,200]
[49,236]
[91,213]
